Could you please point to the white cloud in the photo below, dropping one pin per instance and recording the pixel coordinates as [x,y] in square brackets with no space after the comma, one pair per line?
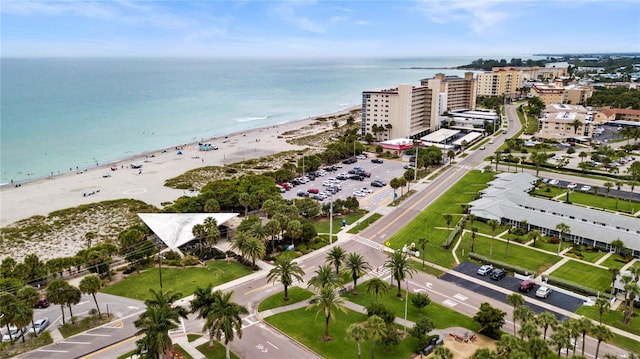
[479,15]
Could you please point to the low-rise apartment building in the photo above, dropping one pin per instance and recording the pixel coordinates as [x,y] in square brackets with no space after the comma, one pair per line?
[562,122]
[548,93]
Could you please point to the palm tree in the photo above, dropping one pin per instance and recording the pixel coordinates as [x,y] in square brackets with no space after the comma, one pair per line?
[563,229]
[325,278]
[357,333]
[632,289]
[474,230]
[376,330]
[57,294]
[400,267]
[494,225]
[223,318]
[199,233]
[448,217]
[515,300]
[584,326]
[528,330]
[534,236]
[254,248]
[336,257]
[285,271]
[524,315]
[212,231]
[607,186]
[72,297]
[614,275]
[619,185]
[202,302]
[22,316]
[538,348]
[357,266]
[560,339]
[603,305]
[422,243]
[156,321]
[377,286]
[245,200]
[91,284]
[28,296]
[546,320]
[239,242]
[328,303]
[8,303]
[602,334]
[510,231]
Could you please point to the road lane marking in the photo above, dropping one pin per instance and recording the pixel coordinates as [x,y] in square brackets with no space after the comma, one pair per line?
[110,347]
[449,303]
[69,342]
[96,335]
[453,173]
[52,351]
[460,297]
[268,342]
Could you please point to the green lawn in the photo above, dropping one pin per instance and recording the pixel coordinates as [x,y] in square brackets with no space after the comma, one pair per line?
[589,276]
[546,245]
[183,280]
[365,223]
[520,256]
[218,351]
[305,327]
[322,226]
[296,294]
[441,316]
[611,262]
[614,319]
[462,192]
[548,191]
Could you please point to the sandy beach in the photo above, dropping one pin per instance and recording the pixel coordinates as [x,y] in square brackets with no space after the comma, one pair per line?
[42,196]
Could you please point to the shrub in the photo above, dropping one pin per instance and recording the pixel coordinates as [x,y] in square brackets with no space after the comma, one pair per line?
[381,311]
[554,240]
[190,261]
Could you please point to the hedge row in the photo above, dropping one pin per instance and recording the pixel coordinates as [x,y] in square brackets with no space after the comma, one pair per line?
[575,287]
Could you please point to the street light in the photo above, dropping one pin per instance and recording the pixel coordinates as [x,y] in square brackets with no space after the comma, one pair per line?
[415,167]
[160,257]
[330,220]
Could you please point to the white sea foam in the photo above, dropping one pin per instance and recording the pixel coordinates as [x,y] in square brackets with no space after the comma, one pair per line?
[251,119]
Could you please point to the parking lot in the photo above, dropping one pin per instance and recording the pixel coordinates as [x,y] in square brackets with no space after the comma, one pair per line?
[385,171]
[582,187]
[557,299]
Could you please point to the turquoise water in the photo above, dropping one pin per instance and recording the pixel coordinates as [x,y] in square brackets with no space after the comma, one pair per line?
[57,114]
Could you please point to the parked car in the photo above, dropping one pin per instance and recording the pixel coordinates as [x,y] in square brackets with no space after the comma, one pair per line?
[303,194]
[498,274]
[361,157]
[485,269]
[313,190]
[16,333]
[554,182]
[482,147]
[376,160]
[378,183]
[572,185]
[359,194]
[526,285]
[543,292]
[42,303]
[40,325]
[366,190]
[585,188]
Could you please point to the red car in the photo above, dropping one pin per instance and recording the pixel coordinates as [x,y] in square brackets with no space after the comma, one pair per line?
[286,186]
[42,303]
[313,190]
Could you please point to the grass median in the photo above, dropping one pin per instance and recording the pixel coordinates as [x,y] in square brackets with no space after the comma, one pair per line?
[183,280]
[431,222]
[296,294]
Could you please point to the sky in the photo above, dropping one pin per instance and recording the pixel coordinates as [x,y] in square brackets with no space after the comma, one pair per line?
[246,28]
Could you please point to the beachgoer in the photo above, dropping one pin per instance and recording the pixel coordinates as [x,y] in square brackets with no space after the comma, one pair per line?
[203,160]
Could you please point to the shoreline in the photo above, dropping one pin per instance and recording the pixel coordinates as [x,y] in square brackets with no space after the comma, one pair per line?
[44,195]
[144,154]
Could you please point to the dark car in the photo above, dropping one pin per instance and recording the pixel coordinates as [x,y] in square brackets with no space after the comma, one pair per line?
[498,274]
[377,160]
[42,303]
[526,285]
[303,194]
[378,183]
[342,177]
[356,177]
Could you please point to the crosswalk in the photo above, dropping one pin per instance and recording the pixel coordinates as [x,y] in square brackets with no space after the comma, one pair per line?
[367,242]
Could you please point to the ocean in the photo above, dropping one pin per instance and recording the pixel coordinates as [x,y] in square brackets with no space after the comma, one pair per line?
[61,113]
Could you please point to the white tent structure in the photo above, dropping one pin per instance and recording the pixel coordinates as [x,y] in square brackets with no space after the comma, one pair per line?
[175,229]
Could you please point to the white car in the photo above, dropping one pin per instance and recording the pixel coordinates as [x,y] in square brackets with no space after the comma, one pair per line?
[482,147]
[359,194]
[485,269]
[40,325]
[361,157]
[15,334]
[543,292]
[585,188]
[554,182]
[366,190]
[572,185]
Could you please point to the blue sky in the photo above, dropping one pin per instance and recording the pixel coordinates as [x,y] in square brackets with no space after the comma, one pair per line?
[317,28]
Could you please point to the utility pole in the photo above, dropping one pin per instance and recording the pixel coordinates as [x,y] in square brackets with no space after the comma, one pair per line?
[330,220]
[415,164]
